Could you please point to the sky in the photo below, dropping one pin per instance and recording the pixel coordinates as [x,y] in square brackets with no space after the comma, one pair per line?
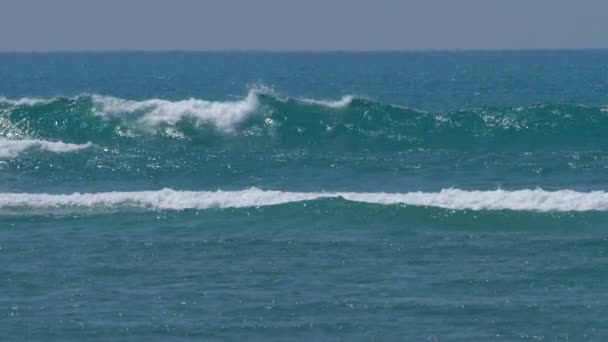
[319,25]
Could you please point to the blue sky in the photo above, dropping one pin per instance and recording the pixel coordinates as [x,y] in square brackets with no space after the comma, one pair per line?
[29,25]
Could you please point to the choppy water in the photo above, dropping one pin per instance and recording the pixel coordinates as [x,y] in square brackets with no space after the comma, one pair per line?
[346,196]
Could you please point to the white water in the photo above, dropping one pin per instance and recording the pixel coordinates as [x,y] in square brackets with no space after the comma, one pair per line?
[167,199]
[336,104]
[25,101]
[12,148]
[224,115]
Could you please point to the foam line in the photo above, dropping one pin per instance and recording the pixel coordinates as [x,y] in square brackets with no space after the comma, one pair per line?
[12,148]
[522,200]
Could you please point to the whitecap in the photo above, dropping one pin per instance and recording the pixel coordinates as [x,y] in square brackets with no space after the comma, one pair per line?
[335,104]
[224,115]
[537,200]
[12,148]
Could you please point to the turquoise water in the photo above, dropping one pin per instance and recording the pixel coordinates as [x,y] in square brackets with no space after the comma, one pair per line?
[304,196]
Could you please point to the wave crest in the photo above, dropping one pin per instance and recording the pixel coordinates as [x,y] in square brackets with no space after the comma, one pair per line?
[521,200]
[12,148]
[25,101]
[263,119]
[224,115]
[336,104]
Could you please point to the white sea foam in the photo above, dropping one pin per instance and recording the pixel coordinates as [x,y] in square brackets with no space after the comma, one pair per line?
[25,101]
[12,148]
[336,104]
[167,199]
[224,115]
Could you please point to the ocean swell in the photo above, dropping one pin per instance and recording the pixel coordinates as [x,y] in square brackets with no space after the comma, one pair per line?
[271,120]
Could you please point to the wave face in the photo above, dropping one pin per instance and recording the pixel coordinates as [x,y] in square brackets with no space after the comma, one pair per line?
[262,119]
[167,199]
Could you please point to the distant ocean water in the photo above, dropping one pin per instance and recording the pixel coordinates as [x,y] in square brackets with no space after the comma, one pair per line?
[304,196]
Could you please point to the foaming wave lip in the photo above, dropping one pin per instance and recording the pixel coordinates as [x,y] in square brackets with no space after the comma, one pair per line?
[12,148]
[536,200]
[25,101]
[342,103]
[224,115]
[336,104]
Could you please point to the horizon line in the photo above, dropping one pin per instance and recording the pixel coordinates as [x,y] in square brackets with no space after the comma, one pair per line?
[312,51]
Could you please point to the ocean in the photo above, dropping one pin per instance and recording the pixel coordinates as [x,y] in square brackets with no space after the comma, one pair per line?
[225,196]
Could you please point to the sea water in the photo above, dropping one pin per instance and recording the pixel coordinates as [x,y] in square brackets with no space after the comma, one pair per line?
[304,196]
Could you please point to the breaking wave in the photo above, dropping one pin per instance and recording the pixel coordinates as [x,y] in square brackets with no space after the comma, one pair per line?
[224,115]
[520,200]
[12,148]
[338,104]
[273,120]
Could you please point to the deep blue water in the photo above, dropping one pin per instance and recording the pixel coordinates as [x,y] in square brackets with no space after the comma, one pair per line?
[304,196]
